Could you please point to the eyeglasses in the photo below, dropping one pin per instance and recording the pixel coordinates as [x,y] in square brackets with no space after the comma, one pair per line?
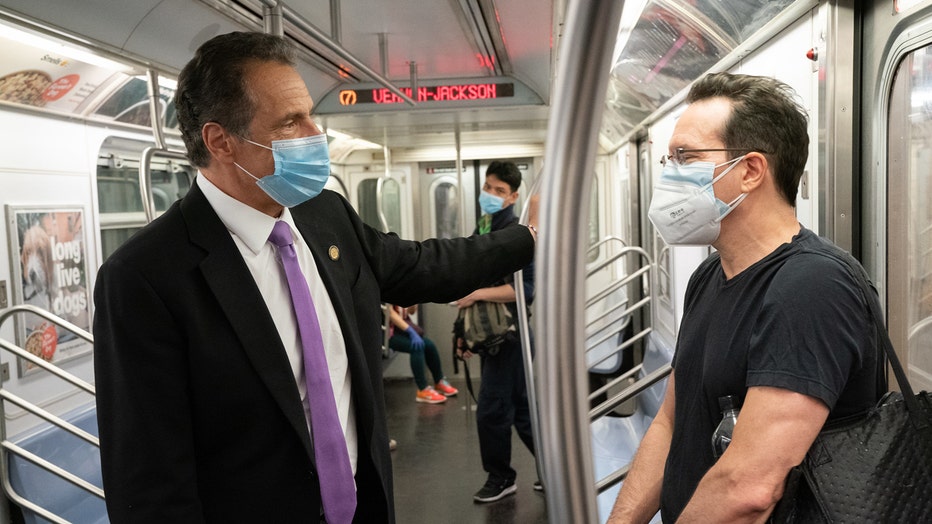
[679,154]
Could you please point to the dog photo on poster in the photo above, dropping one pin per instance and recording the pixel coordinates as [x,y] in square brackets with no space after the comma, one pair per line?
[50,265]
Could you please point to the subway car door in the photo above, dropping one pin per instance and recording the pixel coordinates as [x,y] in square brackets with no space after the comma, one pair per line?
[903,167]
[381,200]
[440,216]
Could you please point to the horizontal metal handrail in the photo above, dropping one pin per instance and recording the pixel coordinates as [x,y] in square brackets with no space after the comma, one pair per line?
[607,313]
[624,376]
[613,478]
[55,420]
[621,347]
[605,293]
[631,391]
[624,251]
[51,368]
[604,338]
[26,503]
[626,280]
[28,308]
[52,468]
[606,240]
[6,396]
[625,315]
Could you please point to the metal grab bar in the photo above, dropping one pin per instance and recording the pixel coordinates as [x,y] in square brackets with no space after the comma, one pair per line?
[51,368]
[602,409]
[524,334]
[629,392]
[6,396]
[642,384]
[625,316]
[145,176]
[579,94]
[606,240]
[626,344]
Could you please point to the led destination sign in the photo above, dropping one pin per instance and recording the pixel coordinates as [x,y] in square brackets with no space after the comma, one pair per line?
[440,93]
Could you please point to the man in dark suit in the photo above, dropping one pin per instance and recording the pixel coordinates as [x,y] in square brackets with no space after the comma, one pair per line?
[202,407]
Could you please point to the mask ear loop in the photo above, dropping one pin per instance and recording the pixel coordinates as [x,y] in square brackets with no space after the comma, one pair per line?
[733,163]
[731,206]
[255,144]
[244,171]
[734,203]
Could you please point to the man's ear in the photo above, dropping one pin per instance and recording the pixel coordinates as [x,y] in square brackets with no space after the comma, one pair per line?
[218,141]
[756,170]
[513,198]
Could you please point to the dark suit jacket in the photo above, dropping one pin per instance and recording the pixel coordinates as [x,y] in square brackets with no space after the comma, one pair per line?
[200,418]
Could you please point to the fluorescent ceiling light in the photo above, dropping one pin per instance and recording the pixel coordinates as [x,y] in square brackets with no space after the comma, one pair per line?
[53,46]
[358,143]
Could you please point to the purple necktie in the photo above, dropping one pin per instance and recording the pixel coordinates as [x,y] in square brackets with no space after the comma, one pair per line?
[337,489]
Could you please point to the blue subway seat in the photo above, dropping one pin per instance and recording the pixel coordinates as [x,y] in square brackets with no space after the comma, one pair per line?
[69,452]
[616,439]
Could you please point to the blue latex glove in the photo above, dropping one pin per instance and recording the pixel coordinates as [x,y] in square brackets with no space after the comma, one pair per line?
[417,343]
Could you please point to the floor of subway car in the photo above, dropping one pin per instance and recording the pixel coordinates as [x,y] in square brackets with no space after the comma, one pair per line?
[437,465]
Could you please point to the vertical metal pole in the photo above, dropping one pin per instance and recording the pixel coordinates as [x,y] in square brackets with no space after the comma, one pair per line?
[272,19]
[336,24]
[383,53]
[575,116]
[387,153]
[461,184]
[155,107]
[412,66]
[524,334]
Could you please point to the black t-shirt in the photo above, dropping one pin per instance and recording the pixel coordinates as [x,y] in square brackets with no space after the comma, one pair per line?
[797,319]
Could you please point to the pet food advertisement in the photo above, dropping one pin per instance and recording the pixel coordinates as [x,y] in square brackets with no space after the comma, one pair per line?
[50,272]
[40,77]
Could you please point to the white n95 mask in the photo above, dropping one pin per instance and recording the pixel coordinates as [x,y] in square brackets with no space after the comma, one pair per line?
[684,208]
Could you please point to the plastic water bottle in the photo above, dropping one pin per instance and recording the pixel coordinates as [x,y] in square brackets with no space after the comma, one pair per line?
[722,436]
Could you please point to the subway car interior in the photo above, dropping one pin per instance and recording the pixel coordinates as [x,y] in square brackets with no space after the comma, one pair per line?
[417,99]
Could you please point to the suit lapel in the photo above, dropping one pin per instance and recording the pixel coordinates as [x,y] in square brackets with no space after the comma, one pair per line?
[239,298]
[327,249]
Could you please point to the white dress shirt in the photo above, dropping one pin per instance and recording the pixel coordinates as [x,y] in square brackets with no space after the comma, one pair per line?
[250,230]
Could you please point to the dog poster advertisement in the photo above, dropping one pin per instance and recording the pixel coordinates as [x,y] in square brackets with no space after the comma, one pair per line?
[50,272]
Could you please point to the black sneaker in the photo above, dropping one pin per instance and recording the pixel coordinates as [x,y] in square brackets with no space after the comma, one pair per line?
[495,490]
[538,486]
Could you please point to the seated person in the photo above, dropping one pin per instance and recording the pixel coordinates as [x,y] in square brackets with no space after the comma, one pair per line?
[406,337]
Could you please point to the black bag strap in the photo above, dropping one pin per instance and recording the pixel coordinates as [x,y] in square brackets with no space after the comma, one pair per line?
[912,404]
[469,382]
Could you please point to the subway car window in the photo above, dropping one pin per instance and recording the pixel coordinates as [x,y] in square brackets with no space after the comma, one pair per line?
[130,104]
[170,182]
[118,187]
[391,204]
[367,197]
[446,210]
[594,225]
[911,157]
[119,197]
[112,238]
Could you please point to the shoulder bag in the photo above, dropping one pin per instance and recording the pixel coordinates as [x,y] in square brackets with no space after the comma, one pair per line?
[874,468]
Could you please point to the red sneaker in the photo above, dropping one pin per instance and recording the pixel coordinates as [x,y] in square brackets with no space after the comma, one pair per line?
[430,396]
[444,387]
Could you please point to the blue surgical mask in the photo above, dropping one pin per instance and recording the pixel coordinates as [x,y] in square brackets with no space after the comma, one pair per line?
[489,203]
[684,208]
[302,167]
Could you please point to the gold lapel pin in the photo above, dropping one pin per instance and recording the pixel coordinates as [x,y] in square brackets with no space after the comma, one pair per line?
[334,253]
